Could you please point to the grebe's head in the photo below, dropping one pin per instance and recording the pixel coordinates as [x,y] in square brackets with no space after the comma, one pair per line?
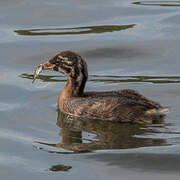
[68,63]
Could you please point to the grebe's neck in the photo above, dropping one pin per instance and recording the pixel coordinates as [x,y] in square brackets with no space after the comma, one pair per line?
[76,81]
[73,88]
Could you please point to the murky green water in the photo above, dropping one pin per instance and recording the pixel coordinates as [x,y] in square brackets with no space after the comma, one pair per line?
[127,44]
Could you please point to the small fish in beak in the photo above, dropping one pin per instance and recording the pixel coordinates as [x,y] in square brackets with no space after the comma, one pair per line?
[37,72]
[45,66]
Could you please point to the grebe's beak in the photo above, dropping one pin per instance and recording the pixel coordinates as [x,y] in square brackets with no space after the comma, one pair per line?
[48,66]
[45,66]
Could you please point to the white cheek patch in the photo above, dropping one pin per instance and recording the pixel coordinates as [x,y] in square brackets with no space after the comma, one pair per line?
[64,71]
[64,60]
[68,62]
[61,70]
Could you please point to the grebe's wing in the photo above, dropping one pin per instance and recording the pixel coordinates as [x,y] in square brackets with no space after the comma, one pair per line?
[107,108]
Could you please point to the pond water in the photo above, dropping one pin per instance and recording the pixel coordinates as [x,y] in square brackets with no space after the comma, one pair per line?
[127,44]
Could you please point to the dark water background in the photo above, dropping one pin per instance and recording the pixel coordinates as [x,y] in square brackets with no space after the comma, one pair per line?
[127,44]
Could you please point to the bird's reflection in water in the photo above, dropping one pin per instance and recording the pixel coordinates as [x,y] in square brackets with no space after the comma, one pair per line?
[103,135]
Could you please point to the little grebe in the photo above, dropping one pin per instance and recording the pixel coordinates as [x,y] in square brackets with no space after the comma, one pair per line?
[124,105]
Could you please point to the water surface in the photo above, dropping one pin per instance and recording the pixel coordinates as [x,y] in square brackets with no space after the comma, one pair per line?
[127,44]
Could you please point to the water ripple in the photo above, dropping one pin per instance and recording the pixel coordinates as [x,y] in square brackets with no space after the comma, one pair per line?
[74,30]
[158,3]
[112,79]
[7,106]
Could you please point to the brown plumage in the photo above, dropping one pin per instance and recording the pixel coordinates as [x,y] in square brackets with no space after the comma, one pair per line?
[124,105]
